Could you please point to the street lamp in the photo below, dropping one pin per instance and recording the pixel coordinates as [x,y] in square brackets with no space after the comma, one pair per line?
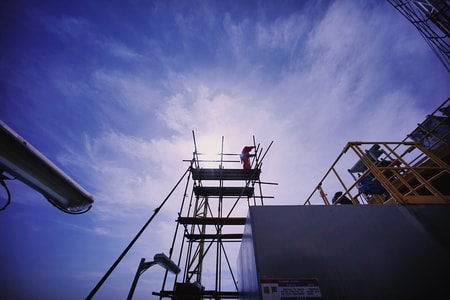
[160,259]
[21,160]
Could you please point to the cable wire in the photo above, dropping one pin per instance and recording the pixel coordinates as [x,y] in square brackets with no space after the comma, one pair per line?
[8,201]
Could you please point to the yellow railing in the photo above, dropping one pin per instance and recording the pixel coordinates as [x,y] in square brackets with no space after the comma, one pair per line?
[385,172]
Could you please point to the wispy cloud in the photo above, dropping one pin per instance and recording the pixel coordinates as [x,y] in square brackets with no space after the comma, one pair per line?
[119,103]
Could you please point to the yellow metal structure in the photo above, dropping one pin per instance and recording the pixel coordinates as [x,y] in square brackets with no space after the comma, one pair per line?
[413,171]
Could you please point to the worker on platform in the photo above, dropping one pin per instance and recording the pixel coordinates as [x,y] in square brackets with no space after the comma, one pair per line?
[342,200]
[245,156]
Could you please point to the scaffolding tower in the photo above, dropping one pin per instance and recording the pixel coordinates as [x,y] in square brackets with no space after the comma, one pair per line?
[432,20]
[210,222]
[413,171]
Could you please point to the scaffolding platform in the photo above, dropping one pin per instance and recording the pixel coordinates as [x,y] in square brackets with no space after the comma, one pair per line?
[212,221]
[209,294]
[214,236]
[225,174]
[224,191]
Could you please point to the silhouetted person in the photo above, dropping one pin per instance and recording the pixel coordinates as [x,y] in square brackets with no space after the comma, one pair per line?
[344,200]
[245,156]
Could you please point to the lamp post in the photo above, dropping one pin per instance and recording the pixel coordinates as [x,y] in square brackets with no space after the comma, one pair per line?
[143,266]
[160,259]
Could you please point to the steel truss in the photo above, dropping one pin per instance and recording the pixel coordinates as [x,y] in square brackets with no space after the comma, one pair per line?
[432,20]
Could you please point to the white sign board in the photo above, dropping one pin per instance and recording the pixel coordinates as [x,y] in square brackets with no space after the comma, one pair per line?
[290,289]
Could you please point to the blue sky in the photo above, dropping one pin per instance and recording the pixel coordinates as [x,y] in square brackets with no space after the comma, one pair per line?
[110,91]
